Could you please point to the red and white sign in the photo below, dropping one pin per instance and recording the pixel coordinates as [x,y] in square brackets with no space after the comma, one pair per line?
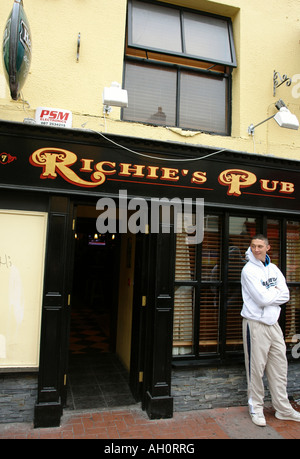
[56,117]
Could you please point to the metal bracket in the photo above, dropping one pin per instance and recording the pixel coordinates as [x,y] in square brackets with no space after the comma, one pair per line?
[106,109]
[78,47]
[284,79]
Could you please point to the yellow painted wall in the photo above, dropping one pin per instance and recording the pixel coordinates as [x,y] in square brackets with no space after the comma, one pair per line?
[22,253]
[123,345]
[267,38]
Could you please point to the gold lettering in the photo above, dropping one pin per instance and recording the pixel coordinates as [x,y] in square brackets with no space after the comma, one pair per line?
[169,174]
[264,185]
[287,187]
[152,172]
[86,165]
[128,169]
[100,171]
[199,177]
[54,160]
[236,179]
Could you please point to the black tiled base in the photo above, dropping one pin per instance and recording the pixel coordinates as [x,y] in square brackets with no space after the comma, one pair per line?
[96,383]
[96,377]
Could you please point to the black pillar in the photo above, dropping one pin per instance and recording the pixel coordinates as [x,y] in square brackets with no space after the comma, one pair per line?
[48,409]
[158,402]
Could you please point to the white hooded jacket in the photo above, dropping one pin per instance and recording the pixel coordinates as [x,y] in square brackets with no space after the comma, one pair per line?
[264,290]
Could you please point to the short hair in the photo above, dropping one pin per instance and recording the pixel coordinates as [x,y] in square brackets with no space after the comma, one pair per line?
[261,237]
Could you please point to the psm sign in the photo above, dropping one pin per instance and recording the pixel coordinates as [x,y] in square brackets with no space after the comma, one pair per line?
[56,117]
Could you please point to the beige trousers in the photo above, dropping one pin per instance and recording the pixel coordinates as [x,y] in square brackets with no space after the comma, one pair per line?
[265,353]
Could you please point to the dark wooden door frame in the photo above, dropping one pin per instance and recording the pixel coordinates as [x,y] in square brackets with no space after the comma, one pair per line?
[152,324]
[157,399]
[55,315]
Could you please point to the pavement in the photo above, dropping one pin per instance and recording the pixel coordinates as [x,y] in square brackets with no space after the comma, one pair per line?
[132,425]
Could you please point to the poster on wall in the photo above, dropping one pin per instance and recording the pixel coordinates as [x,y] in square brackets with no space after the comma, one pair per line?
[22,253]
[16,49]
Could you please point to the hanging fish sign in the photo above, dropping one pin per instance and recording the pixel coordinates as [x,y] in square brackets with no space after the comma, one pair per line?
[16,49]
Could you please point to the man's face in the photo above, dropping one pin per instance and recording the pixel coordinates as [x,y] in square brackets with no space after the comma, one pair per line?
[259,249]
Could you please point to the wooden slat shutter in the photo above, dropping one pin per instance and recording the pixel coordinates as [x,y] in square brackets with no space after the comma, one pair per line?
[292,319]
[184,296]
[240,232]
[210,286]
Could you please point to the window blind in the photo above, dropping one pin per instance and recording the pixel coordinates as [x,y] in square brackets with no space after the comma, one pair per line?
[151,94]
[292,317]
[210,294]
[203,102]
[273,234]
[211,249]
[239,243]
[178,68]
[183,320]
[209,319]
[184,298]
[208,298]
[241,229]
[155,27]
[172,30]
[207,37]
[185,258]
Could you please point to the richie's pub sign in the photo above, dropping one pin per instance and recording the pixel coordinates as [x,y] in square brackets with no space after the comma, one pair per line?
[83,169]
[92,174]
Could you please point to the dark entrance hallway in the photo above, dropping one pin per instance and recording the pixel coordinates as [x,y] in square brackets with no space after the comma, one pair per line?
[97,380]
[96,377]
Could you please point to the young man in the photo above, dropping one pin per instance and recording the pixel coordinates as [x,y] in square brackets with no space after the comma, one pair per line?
[264,290]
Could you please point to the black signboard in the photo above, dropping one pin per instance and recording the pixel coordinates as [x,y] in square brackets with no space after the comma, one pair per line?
[100,167]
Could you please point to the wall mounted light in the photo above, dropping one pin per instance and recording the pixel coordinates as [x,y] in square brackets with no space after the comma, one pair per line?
[114,96]
[283,117]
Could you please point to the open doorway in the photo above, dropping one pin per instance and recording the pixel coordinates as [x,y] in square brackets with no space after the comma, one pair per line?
[98,376]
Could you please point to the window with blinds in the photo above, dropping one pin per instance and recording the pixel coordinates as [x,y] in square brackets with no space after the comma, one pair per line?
[183,324]
[208,298]
[292,313]
[178,67]
[184,298]
[197,292]
[209,321]
[274,236]
[241,229]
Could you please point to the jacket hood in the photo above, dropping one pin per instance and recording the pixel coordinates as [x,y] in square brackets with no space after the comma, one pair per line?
[250,257]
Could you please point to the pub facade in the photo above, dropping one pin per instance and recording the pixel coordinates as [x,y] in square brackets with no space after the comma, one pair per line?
[186,300]
[144,234]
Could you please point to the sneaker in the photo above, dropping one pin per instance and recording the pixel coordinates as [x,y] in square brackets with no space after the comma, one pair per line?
[258,419]
[293,416]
